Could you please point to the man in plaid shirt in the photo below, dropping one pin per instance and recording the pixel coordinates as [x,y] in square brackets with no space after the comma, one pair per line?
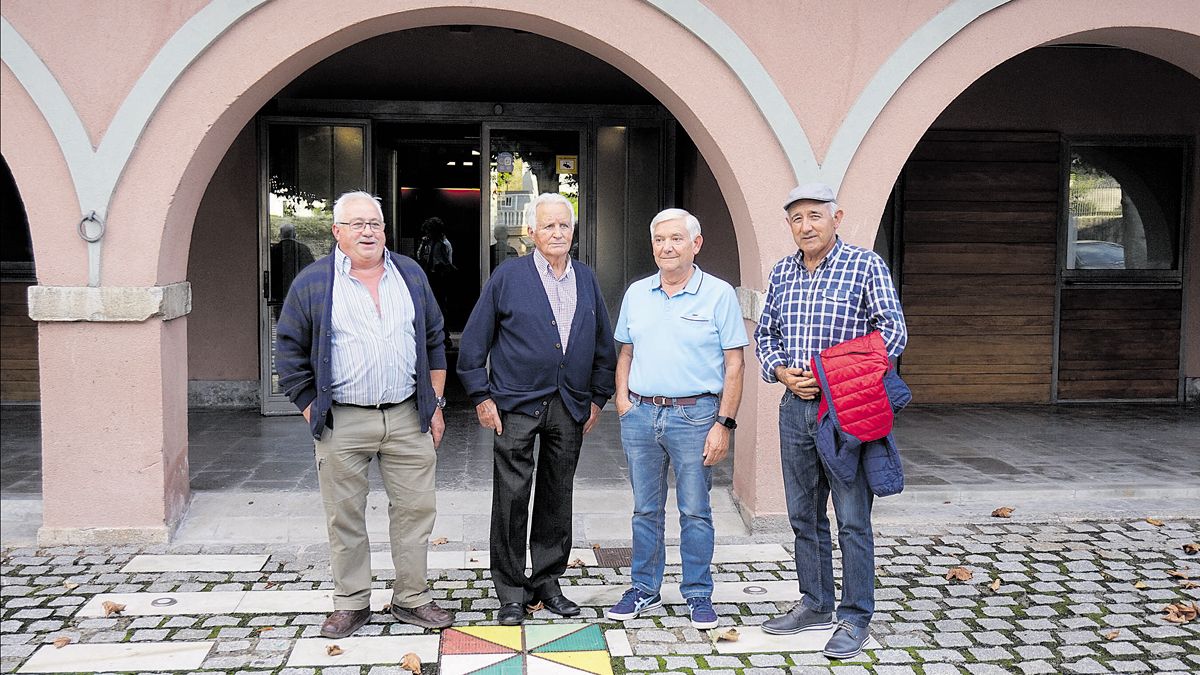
[826,293]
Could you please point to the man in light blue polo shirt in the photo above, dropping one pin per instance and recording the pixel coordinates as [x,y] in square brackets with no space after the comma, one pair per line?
[679,384]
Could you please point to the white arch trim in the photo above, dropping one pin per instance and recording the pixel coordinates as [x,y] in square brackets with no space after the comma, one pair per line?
[778,113]
[96,171]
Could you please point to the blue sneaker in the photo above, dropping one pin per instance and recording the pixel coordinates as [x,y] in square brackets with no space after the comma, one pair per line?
[703,614]
[633,603]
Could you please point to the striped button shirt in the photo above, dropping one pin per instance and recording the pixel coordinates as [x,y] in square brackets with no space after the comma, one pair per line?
[561,293]
[849,295]
[374,353]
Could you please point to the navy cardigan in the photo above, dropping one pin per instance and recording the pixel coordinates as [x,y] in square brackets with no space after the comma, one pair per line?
[304,339]
[513,324]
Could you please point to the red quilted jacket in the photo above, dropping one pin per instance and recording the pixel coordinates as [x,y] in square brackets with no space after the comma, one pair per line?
[854,372]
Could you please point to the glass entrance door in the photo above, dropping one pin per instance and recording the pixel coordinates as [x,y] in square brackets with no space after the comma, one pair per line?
[306,166]
[524,163]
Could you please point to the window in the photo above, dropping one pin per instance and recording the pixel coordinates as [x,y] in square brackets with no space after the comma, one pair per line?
[1124,209]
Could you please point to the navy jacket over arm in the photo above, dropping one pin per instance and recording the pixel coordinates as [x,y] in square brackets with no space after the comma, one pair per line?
[514,325]
[304,339]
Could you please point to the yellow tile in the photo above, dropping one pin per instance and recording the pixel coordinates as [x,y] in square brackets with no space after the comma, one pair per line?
[598,662]
[506,636]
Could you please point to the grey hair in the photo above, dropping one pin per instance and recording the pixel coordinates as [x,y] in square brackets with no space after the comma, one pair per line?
[340,205]
[833,209]
[692,223]
[548,198]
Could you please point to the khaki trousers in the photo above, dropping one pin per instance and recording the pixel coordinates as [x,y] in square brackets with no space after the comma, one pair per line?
[406,461]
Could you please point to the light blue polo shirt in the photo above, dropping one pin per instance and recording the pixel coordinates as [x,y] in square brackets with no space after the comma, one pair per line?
[678,343]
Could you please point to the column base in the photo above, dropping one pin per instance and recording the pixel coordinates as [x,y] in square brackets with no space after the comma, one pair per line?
[103,536]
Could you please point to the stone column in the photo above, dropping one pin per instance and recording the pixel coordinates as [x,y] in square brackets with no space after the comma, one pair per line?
[113,369]
[757,472]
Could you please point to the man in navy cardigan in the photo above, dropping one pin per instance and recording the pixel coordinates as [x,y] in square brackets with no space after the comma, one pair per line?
[542,321]
[360,353]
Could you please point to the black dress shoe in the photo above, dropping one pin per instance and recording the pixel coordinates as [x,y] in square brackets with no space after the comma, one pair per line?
[561,606]
[511,614]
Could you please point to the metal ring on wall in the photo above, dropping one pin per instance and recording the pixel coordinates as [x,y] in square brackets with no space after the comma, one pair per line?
[83,230]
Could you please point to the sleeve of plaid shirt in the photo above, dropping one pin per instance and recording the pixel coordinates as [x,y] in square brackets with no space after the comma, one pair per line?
[768,338]
[884,305]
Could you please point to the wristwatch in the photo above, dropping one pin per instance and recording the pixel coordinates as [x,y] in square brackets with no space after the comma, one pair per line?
[440,402]
[727,421]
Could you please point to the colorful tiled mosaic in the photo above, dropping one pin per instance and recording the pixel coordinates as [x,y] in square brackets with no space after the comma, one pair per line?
[544,649]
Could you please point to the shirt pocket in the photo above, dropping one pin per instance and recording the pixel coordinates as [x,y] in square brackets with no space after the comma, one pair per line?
[842,295]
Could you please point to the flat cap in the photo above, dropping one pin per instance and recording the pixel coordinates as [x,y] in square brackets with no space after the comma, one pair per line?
[817,192]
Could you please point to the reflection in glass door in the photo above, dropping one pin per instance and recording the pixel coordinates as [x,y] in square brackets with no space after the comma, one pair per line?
[523,164]
[305,166]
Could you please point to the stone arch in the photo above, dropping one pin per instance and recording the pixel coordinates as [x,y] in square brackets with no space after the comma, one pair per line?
[1171,34]
[198,119]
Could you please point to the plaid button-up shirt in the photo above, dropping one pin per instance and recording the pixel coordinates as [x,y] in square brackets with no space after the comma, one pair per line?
[849,295]
[561,293]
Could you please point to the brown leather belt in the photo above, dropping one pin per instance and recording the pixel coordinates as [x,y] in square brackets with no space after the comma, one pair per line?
[672,400]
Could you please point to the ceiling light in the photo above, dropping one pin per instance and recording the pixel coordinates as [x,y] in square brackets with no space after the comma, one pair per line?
[450,163]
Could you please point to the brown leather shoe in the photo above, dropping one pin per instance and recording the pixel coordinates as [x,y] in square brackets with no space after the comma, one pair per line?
[428,615]
[343,622]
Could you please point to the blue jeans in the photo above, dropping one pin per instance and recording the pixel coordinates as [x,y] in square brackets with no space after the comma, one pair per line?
[807,486]
[655,436]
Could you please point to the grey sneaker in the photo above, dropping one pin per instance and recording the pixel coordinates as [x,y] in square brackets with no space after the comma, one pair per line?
[801,618]
[847,641]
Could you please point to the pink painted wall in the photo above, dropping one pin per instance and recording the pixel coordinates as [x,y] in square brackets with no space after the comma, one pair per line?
[1097,92]
[820,53]
[223,270]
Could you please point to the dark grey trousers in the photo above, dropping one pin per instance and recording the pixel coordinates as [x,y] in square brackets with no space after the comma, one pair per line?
[513,475]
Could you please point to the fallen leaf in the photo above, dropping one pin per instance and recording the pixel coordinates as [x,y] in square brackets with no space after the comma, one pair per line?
[578,562]
[70,586]
[1181,613]
[439,541]
[1191,549]
[995,586]
[272,584]
[534,608]
[61,642]
[1003,512]
[333,650]
[946,502]
[595,547]
[111,607]
[1112,634]
[1139,584]
[1155,522]
[1189,585]
[411,662]
[1179,574]
[728,634]
[959,573]
[263,629]
[387,608]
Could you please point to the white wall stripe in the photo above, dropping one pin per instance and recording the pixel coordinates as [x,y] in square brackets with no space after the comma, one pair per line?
[95,173]
[777,112]
[887,80]
[714,32]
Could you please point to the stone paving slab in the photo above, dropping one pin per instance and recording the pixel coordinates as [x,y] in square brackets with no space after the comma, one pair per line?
[118,657]
[363,650]
[1073,596]
[195,563]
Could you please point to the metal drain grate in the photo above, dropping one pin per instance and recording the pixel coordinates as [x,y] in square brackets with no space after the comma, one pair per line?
[614,557]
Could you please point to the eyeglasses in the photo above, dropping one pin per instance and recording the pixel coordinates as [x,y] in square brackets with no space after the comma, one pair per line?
[360,225]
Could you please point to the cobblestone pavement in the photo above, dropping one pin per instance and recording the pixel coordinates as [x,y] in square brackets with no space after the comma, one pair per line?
[1082,597]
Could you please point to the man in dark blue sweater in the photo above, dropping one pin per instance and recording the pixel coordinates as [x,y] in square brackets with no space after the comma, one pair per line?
[541,320]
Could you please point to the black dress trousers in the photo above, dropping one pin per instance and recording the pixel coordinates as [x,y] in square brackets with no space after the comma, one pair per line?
[513,476]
